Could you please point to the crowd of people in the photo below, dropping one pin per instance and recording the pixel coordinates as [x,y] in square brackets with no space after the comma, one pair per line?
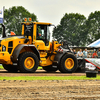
[85,53]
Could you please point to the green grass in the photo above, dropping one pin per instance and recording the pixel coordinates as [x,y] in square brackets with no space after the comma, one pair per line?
[1,67]
[49,78]
[39,67]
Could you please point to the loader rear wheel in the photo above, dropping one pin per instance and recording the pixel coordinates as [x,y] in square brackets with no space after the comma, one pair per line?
[28,62]
[50,68]
[68,64]
[10,68]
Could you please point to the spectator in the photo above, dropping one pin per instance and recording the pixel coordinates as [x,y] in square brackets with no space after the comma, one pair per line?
[85,53]
[74,51]
[99,53]
[89,55]
[80,53]
[95,55]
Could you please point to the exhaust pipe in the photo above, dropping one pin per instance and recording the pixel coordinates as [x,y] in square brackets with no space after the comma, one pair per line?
[4,34]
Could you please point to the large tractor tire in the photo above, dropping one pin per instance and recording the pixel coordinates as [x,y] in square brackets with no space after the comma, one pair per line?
[10,68]
[50,68]
[28,62]
[68,64]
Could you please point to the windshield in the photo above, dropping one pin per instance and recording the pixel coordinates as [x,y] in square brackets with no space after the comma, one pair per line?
[48,33]
[51,32]
[43,33]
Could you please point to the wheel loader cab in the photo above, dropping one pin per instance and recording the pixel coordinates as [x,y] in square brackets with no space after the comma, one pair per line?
[43,34]
[38,34]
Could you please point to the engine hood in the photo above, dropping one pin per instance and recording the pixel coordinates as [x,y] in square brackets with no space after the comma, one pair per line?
[11,38]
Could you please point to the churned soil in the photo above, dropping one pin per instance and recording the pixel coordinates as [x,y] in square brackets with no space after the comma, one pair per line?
[48,89]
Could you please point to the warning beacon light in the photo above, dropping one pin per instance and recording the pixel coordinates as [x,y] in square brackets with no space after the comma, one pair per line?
[30,19]
[25,19]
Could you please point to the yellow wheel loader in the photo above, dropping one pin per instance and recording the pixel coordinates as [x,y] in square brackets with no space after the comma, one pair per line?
[33,48]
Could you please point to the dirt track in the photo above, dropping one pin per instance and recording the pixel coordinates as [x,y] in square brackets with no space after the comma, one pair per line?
[39,73]
[48,90]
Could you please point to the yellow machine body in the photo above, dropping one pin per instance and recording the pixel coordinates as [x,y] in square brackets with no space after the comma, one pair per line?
[47,51]
[9,44]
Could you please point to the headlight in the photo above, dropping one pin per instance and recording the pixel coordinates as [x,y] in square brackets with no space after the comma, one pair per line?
[3,48]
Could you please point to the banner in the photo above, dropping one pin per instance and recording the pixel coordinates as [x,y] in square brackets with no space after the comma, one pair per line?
[1,15]
[94,62]
[90,66]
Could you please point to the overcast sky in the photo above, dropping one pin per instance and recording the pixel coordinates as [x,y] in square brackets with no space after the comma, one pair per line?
[53,10]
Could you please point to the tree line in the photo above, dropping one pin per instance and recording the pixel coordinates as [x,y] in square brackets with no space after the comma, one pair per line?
[73,27]
[77,29]
[13,18]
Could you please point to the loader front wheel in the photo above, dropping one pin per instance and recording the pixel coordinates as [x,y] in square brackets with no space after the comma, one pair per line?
[28,62]
[10,68]
[68,63]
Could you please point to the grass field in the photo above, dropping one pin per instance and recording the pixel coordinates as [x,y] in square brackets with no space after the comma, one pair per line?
[1,67]
[49,78]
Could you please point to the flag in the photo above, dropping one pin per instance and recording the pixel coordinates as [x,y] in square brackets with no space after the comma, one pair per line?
[1,15]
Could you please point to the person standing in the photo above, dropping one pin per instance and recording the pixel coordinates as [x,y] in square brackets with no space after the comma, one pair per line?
[99,53]
[95,55]
[85,53]
[80,53]
[74,51]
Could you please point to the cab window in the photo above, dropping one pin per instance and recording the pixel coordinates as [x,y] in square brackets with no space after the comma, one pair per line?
[43,34]
[28,30]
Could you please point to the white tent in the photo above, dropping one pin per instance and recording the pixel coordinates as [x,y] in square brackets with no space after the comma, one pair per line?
[95,44]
